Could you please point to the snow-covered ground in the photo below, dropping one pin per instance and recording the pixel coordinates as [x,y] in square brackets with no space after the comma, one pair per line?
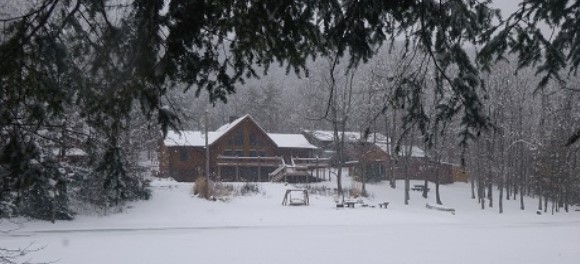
[175,227]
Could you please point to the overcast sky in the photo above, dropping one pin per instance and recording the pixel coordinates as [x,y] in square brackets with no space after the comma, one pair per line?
[506,6]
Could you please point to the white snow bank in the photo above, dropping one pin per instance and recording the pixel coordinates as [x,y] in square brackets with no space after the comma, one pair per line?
[175,227]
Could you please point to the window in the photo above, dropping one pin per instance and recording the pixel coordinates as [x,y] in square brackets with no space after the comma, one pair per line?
[237,139]
[233,153]
[254,141]
[183,154]
[257,153]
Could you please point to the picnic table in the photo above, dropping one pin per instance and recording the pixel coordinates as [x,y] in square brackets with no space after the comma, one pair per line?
[349,203]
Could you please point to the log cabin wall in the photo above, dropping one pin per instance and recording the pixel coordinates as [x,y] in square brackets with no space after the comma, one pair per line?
[242,138]
[246,139]
[181,163]
[288,153]
[421,168]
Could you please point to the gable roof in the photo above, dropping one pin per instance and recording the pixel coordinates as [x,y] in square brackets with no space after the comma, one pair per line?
[197,138]
[328,135]
[380,140]
[189,138]
[229,126]
[416,152]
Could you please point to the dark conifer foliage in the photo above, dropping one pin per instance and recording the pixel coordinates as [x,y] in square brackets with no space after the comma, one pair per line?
[544,35]
[102,59]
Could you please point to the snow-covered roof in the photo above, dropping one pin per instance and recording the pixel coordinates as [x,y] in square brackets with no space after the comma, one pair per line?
[416,152]
[291,141]
[189,138]
[225,128]
[197,138]
[328,135]
[70,152]
[378,139]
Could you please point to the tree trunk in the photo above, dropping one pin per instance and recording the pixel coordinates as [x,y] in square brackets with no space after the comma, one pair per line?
[481,188]
[472,181]
[522,207]
[545,202]
[363,179]
[425,183]
[338,145]
[407,182]
[522,182]
[394,155]
[508,182]
[566,200]
[500,198]
[502,176]
[490,193]
[540,200]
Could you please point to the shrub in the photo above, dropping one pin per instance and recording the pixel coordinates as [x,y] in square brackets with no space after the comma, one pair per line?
[202,188]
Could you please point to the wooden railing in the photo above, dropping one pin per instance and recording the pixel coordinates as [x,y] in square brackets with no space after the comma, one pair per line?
[311,163]
[237,162]
[249,161]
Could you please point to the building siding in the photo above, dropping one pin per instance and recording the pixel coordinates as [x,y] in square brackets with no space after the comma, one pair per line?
[244,140]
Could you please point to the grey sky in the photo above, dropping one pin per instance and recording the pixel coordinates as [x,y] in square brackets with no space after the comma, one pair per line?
[507,6]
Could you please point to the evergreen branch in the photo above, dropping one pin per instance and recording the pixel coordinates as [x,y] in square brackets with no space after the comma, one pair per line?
[35,12]
[43,20]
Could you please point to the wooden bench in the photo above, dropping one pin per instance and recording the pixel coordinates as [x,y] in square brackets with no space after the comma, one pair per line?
[440,208]
[419,187]
[383,205]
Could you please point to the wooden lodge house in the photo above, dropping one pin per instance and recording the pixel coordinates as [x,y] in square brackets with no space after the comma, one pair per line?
[372,157]
[238,151]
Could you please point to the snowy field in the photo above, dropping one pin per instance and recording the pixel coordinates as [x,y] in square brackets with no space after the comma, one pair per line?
[175,227]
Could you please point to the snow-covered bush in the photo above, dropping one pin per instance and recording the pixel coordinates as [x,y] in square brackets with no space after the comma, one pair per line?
[248,189]
[47,196]
[31,185]
[110,184]
[222,190]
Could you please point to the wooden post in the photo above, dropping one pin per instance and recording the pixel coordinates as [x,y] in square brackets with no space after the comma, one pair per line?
[317,170]
[285,172]
[237,168]
[311,174]
[259,169]
[219,172]
[206,147]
